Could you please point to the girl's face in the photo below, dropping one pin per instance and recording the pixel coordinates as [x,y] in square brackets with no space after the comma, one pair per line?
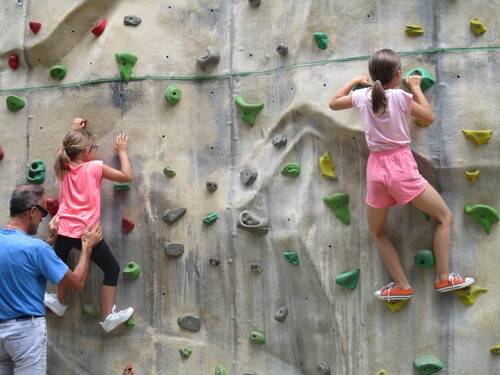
[90,155]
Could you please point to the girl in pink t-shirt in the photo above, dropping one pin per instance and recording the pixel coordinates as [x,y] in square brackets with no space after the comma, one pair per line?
[392,174]
[80,179]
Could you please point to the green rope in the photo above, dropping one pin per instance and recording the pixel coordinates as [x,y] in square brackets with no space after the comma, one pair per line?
[242,74]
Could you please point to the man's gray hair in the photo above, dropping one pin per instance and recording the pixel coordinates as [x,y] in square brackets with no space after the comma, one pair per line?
[25,196]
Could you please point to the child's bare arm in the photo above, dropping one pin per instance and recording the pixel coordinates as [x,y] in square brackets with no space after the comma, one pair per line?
[124,174]
[342,99]
[420,107]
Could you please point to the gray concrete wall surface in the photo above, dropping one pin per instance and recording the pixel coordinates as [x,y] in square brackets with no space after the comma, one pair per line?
[203,138]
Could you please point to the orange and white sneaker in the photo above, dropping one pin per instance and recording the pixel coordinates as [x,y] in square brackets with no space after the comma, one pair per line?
[392,292]
[454,281]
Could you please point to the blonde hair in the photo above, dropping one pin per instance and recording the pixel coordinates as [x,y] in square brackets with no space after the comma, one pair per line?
[74,143]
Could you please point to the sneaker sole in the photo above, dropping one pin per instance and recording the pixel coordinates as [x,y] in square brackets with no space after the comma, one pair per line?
[393,298]
[449,288]
[116,325]
[54,311]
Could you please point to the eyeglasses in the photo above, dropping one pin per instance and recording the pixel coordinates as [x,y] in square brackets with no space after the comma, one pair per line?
[42,210]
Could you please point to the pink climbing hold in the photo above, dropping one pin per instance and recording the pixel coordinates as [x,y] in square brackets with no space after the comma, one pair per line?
[128,370]
[99,27]
[127,225]
[1,153]
[52,205]
[35,26]
[14,62]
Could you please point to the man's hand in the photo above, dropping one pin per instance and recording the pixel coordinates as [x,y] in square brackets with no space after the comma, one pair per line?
[53,225]
[92,236]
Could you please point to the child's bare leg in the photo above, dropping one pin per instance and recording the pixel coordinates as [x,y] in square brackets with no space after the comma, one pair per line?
[377,218]
[107,300]
[431,203]
[62,292]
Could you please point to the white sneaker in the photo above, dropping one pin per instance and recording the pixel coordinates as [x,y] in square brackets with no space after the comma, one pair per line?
[53,304]
[116,318]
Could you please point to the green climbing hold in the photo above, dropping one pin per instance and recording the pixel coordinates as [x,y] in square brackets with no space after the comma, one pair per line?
[258,337]
[58,71]
[484,215]
[90,311]
[132,270]
[127,61]
[186,350]
[340,204]
[220,370]
[130,323]
[291,257]
[349,279]
[15,103]
[291,169]
[122,186]
[248,111]
[321,40]
[469,294]
[210,219]
[169,172]
[428,364]
[36,172]
[427,78]
[173,94]
[424,258]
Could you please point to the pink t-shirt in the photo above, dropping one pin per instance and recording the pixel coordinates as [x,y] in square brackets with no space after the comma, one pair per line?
[390,130]
[80,198]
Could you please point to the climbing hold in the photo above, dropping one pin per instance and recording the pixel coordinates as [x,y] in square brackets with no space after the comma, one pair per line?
[280,140]
[359,86]
[248,176]
[14,103]
[211,186]
[90,311]
[169,172]
[349,279]
[122,186]
[52,205]
[427,78]
[254,3]
[281,314]
[327,166]
[477,26]
[14,62]
[484,215]
[253,223]
[126,61]
[174,214]
[424,258]
[496,349]
[190,322]
[212,57]
[478,136]
[469,294]
[428,364]
[291,169]
[36,172]
[323,368]
[291,257]
[321,40]
[99,27]
[127,225]
[282,49]
[172,94]
[248,111]
[58,71]
[214,262]
[382,372]
[258,337]
[210,219]
[413,30]
[128,370]
[130,323]
[425,215]
[472,176]
[132,270]
[340,204]
[418,122]
[131,20]
[186,350]
[35,26]
[256,268]
[2,154]
[174,249]
[220,370]
[395,305]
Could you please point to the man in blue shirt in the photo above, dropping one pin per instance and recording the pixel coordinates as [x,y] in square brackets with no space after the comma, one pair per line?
[26,264]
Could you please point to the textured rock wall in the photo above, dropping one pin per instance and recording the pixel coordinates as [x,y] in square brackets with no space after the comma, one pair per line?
[203,138]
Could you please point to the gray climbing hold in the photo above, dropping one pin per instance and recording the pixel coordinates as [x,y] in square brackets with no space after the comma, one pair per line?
[323,368]
[190,322]
[174,249]
[281,314]
[256,268]
[212,57]
[131,20]
[248,176]
[253,223]
[254,3]
[172,215]
[280,140]
[282,49]
[214,261]
[211,186]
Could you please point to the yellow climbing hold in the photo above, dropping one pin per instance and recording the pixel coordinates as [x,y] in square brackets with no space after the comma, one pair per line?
[395,305]
[469,294]
[327,166]
[477,26]
[382,372]
[496,349]
[418,122]
[413,30]
[478,136]
[472,176]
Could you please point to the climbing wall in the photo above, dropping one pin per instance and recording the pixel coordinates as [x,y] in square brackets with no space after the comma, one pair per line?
[239,274]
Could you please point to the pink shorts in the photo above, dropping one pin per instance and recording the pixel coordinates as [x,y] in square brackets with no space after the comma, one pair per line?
[392,177]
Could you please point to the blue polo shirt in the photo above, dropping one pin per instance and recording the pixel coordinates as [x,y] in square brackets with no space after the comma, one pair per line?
[26,264]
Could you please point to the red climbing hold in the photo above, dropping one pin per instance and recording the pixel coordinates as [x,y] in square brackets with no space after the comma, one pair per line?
[14,62]
[127,225]
[52,205]
[35,26]
[128,370]
[99,27]
[1,153]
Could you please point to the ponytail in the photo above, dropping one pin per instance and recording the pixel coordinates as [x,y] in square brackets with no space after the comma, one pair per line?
[61,163]
[379,100]
[74,143]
